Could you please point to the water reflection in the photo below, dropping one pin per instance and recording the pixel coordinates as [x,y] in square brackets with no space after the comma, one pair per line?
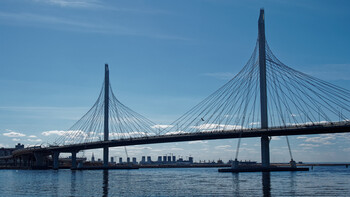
[266,183]
[292,183]
[73,183]
[105,183]
[54,182]
[236,181]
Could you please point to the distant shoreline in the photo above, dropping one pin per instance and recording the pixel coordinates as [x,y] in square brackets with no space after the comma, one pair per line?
[126,166]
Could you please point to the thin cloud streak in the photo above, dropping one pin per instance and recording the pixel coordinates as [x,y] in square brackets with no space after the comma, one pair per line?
[40,109]
[72,3]
[331,72]
[97,4]
[13,134]
[69,24]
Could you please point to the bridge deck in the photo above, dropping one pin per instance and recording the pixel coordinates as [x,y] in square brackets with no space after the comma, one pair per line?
[244,133]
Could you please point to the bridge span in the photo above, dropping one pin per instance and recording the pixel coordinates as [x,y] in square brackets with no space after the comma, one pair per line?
[342,127]
[38,153]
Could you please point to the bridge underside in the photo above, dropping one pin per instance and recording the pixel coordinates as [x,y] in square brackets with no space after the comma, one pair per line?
[305,130]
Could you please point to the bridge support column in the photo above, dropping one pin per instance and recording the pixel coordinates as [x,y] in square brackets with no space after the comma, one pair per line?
[74,160]
[265,151]
[265,142]
[105,156]
[39,159]
[106,117]
[55,160]
[25,159]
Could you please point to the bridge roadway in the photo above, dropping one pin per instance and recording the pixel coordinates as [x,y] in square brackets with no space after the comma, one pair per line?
[35,156]
[341,127]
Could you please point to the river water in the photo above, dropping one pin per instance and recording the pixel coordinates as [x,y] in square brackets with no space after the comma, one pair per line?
[321,181]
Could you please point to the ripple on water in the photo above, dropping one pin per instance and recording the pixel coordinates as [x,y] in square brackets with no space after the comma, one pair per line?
[321,181]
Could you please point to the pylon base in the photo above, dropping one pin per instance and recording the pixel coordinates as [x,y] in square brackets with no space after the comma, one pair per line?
[261,169]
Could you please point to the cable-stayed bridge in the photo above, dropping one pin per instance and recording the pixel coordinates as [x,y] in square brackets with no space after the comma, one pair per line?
[266,98]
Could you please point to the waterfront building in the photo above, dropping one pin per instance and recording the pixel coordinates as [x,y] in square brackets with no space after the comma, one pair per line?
[169,159]
[149,160]
[19,146]
[143,160]
[93,158]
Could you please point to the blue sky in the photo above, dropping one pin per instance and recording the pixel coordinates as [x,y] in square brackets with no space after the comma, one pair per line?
[165,57]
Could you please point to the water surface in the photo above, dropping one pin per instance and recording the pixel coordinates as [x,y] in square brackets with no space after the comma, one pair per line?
[321,181]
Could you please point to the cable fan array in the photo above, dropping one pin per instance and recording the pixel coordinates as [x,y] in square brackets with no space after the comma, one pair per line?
[123,123]
[294,99]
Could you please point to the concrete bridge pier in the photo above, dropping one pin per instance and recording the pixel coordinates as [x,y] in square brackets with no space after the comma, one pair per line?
[105,156]
[55,160]
[39,159]
[74,160]
[25,161]
[265,151]
[14,161]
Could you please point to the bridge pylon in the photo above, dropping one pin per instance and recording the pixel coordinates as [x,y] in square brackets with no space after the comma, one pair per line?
[106,117]
[265,142]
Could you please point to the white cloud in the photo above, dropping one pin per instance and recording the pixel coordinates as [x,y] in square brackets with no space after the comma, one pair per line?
[16,139]
[161,126]
[34,140]
[198,142]
[76,133]
[129,134]
[217,127]
[320,139]
[275,138]
[138,148]
[308,123]
[325,139]
[309,145]
[174,132]
[301,137]
[178,149]
[222,147]
[32,136]
[345,136]
[14,134]
[54,132]
[72,3]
